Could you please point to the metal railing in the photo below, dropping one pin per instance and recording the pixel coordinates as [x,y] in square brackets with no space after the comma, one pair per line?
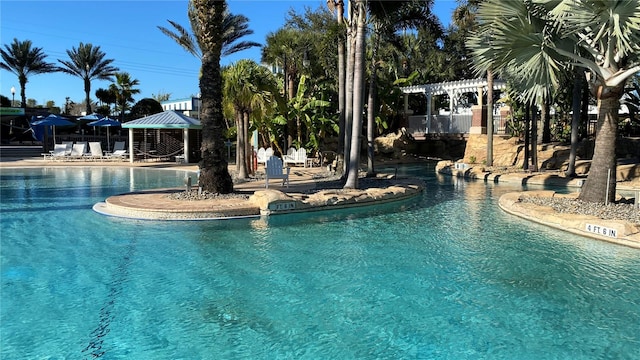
[444,124]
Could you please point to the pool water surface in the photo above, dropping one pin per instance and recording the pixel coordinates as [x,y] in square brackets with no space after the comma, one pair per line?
[445,276]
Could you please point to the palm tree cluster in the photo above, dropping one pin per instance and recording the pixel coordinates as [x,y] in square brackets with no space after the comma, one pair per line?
[22,59]
[86,61]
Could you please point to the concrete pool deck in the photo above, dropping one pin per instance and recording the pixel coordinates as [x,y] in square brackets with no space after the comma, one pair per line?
[304,195]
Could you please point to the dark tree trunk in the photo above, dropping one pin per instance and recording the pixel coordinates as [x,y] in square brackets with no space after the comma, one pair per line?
[534,138]
[575,120]
[546,121]
[489,117]
[584,114]
[214,169]
[527,134]
[600,186]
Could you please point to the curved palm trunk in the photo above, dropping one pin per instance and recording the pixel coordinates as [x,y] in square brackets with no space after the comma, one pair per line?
[358,99]
[602,174]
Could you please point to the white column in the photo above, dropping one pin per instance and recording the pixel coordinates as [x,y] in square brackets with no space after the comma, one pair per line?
[185,136]
[429,110]
[131,147]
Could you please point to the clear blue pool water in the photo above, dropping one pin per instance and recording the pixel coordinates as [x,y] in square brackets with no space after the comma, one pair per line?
[445,276]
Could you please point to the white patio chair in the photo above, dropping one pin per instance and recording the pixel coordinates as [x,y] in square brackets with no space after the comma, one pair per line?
[274,170]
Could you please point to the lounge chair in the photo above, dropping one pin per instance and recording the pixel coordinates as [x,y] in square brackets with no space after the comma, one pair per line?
[117,155]
[274,170]
[78,150]
[119,145]
[59,152]
[69,145]
[96,151]
[119,151]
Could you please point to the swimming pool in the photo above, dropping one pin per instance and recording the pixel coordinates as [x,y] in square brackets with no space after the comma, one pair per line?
[446,276]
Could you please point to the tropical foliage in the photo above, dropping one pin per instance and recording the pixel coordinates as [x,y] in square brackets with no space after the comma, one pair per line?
[535,40]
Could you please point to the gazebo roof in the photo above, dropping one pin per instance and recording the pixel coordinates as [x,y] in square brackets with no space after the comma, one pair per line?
[452,87]
[169,119]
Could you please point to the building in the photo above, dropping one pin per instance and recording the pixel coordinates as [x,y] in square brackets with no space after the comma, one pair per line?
[187,106]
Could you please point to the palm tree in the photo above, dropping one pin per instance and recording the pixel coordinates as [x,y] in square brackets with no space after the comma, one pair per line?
[537,39]
[244,88]
[359,21]
[88,63]
[207,19]
[106,97]
[338,7]
[23,60]
[124,90]
[286,46]
[234,28]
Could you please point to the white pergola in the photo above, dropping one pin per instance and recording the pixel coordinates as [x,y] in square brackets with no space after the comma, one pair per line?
[452,88]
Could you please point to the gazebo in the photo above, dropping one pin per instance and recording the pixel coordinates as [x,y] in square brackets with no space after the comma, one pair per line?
[454,89]
[166,120]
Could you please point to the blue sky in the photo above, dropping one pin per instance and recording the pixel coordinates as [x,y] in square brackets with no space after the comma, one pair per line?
[127,32]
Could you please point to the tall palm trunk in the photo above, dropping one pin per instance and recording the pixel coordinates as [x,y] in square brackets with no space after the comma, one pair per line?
[358,97]
[534,137]
[87,91]
[575,120]
[546,121]
[348,109]
[371,113]
[489,117]
[241,164]
[214,171]
[341,78]
[527,133]
[584,114]
[602,173]
[247,147]
[23,95]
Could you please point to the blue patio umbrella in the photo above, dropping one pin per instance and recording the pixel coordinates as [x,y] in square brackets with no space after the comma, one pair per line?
[52,120]
[91,117]
[107,122]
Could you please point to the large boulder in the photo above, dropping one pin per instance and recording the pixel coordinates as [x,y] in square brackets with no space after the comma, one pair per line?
[395,145]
